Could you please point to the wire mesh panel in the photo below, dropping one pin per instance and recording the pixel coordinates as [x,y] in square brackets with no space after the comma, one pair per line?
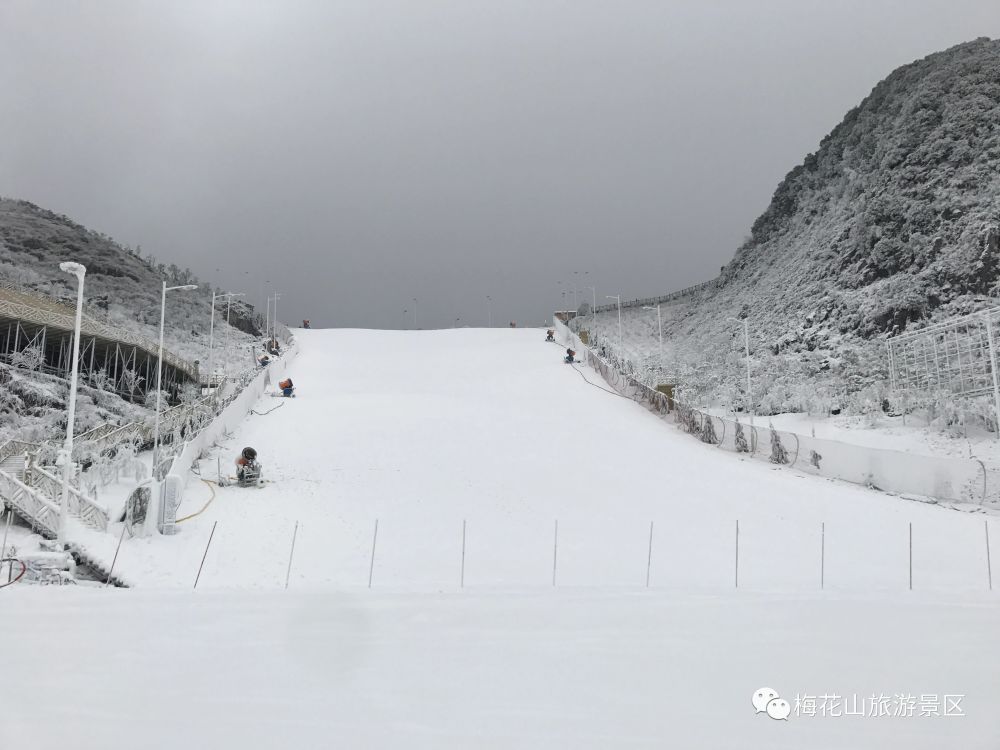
[956,356]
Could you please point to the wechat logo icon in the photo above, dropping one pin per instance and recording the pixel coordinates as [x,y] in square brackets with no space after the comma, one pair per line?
[766,700]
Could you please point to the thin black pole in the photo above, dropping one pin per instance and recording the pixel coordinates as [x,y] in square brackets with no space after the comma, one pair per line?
[649,557]
[115,558]
[822,555]
[371,568]
[462,580]
[737,553]
[989,566]
[10,516]
[210,536]
[911,555]
[555,551]
[288,573]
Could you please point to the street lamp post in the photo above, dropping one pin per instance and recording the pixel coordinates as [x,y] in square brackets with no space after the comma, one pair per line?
[274,322]
[659,325]
[618,298]
[267,317]
[66,454]
[593,295]
[211,342]
[159,368]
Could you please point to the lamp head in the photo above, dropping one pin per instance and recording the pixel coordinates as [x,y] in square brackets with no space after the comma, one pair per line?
[75,268]
[182,287]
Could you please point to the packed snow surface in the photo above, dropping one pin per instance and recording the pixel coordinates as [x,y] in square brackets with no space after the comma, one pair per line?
[482,446]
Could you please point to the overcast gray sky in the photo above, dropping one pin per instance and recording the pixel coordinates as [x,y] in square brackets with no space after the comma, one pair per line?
[361,154]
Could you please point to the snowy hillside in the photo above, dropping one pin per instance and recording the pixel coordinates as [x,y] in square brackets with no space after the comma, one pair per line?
[894,221]
[123,288]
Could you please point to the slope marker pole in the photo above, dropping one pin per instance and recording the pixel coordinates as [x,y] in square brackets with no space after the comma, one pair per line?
[10,516]
[371,568]
[210,536]
[649,556]
[555,551]
[114,559]
[288,573]
[737,553]
[911,555]
[989,566]
[822,555]
[462,579]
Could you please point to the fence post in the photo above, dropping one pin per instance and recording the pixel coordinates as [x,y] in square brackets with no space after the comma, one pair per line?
[114,559]
[371,567]
[555,551]
[3,547]
[288,573]
[737,553]
[212,534]
[989,566]
[649,557]
[911,555]
[462,579]
[822,555]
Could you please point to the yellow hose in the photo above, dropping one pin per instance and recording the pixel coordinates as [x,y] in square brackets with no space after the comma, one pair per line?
[181,520]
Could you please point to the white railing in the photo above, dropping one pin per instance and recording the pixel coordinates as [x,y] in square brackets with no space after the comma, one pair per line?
[30,503]
[88,510]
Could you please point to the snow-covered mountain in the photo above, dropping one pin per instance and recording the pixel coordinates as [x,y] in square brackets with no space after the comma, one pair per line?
[122,287]
[894,221]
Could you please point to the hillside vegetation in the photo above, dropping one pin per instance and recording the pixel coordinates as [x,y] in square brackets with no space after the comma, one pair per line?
[122,287]
[892,223]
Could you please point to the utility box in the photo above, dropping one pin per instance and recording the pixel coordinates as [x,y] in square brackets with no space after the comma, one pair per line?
[668,391]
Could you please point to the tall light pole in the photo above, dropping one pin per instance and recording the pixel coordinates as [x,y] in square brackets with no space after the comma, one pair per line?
[159,368]
[225,364]
[659,325]
[618,298]
[274,317]
[593,307]
[746,347]
[489,311]
[66,454]
[211,343]
[267,317]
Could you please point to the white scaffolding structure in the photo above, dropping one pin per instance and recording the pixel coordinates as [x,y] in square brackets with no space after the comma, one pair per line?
[957,356]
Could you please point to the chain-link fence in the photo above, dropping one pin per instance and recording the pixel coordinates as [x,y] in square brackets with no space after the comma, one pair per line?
[945,479]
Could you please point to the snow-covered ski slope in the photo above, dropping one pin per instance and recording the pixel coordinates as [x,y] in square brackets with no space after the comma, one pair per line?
[427,431]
